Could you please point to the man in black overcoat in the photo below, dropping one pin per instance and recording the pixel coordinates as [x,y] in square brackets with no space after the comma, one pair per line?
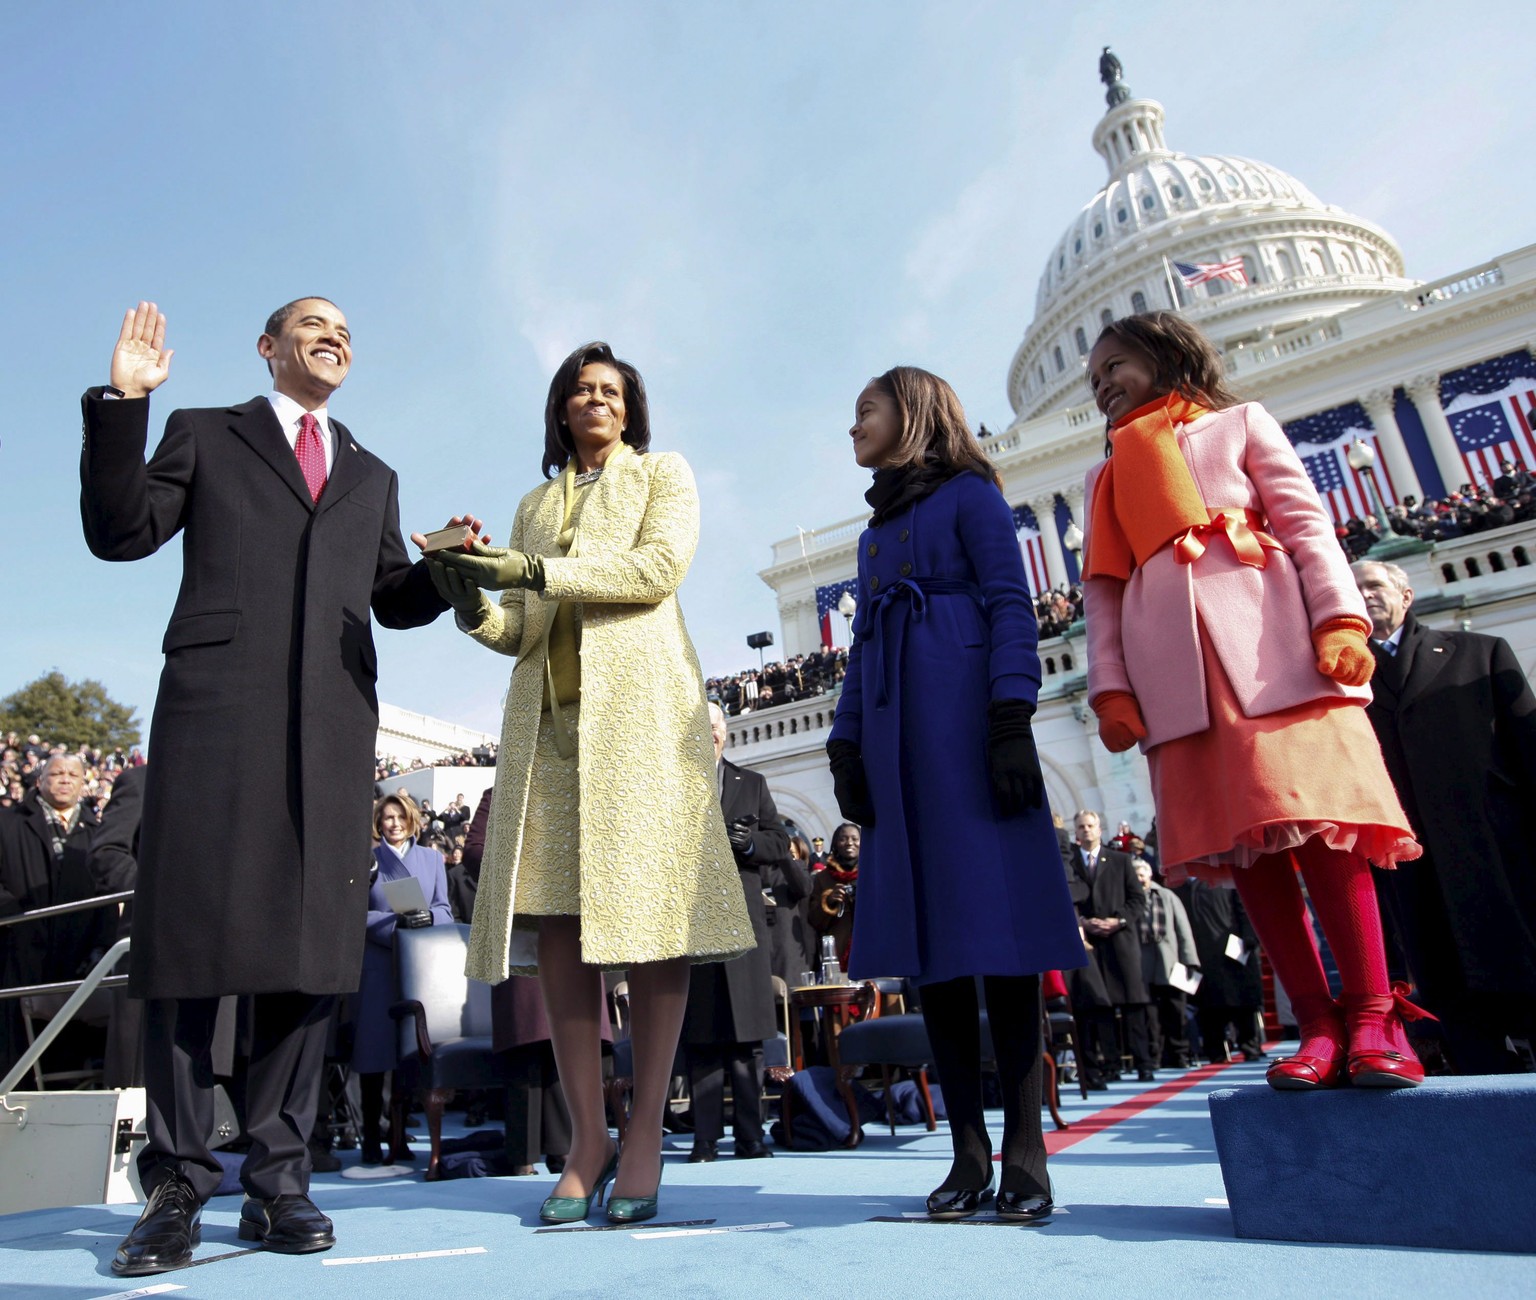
[45,843]
[730,1004]
[1231,989]
[1110,904]
[1457,723]
[115,868]
[256,806]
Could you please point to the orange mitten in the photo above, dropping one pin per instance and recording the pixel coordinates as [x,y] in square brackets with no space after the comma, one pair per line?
[1342,651]
[1120,721]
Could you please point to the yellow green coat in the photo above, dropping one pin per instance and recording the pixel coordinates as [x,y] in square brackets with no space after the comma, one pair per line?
[658,878]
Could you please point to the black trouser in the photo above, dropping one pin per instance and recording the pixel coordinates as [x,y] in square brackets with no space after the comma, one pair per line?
[282,1091]
[1248,1023]
[538,1122]
[706,1080]
[1167,1030]
[1101,1046]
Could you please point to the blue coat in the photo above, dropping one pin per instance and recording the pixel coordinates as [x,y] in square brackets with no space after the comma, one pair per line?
[945,625]
[376,1047]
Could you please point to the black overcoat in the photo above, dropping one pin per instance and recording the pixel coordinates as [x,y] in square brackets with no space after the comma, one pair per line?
[1215,914]
[1114,892]
[37,952]
[732,1001]
[1457,723]
[255,839]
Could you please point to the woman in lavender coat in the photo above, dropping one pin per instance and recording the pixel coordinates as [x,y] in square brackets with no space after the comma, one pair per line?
[932,756]
[375,1049]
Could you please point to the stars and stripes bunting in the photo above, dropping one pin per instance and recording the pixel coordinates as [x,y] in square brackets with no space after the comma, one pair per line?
[1199,272]
[1323,442]
[1490,407]
[1028,529]
[826,611]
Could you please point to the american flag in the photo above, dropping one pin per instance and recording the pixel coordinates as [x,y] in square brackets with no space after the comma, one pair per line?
[1200,272]
[826,608]
[1323,442]
[1489,407]
[1028,529]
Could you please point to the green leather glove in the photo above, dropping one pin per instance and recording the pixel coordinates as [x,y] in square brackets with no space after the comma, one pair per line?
[495,568]
[466,599]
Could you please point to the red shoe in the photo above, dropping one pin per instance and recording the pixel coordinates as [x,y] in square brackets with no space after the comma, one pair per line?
[1382,1056]
[1320,1063]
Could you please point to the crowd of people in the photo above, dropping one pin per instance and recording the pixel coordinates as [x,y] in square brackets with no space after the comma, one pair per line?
[1058,609]
[388,765]
[22,758]
[1473,508]
[803,677]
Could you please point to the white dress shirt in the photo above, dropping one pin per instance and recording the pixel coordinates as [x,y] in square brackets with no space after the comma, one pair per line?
[289,413]
[1391,644]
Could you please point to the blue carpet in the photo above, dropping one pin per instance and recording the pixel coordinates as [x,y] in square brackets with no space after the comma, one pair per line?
[1150,1181]
[1450,1164]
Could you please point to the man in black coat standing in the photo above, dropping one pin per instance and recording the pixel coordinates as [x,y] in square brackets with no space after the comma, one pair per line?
[1457,725]
[1110,904]
[256,808]
[730,1004]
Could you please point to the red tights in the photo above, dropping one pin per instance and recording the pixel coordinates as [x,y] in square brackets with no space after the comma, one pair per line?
[1344,895]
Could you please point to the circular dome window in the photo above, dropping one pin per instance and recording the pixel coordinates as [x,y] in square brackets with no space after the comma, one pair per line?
[1077,244]
[1061,262]
[1098,230]
[1121,215]
[1147,201]
[1205,184]
[1176,191]
[1230,181]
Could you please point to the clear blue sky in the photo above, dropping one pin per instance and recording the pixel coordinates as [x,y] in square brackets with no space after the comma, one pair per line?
[760,205]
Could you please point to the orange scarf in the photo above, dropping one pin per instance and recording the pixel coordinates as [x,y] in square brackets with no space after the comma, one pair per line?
[1161,500]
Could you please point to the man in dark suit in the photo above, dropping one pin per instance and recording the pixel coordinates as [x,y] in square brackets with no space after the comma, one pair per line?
[115,868]
[1457,723]
[256,808]
[730,1004]
[45,843]
[1110,904]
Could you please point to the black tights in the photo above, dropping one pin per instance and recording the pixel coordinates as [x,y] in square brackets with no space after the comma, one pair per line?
[372,1089]
[951,1014]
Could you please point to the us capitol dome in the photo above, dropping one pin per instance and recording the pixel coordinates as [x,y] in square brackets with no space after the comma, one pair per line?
[1303,259]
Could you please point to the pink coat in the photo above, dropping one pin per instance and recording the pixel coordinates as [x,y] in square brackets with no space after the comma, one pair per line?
[1143,636]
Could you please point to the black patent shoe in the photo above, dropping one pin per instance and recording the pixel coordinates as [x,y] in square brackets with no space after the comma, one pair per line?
[959,1204]
[290,1224]
[1024,1207]
[167,1230]
[753,1151]
[703,1153]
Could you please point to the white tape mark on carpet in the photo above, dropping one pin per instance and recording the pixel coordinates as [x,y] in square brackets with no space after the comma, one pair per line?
[707,1232]
[160,1288]
[415,1254]
[1216,1200]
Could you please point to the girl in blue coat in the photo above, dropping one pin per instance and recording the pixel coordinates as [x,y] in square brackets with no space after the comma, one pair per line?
[933,756]
[375,1050]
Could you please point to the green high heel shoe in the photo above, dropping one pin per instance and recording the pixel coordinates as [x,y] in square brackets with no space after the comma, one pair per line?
[633,1209]
[573,1209]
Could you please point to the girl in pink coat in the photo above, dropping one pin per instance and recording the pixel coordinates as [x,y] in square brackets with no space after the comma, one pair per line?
[1226,635]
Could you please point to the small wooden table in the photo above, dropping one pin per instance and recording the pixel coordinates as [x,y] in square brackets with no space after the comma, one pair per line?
[840,1002]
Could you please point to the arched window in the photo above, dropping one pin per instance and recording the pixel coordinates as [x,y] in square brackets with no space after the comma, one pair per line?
[1106,317]
[1138,302]
[1061,361]
[1315,263]
[1345,261]
[1251,269]
[1215,288]
[1284,267]
[1081,337]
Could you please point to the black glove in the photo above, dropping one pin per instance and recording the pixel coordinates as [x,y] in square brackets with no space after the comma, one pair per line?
[739,832]
[1012,762]
[420,919]
[850,786]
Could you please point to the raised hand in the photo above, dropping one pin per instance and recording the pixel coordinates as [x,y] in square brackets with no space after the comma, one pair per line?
[141,362]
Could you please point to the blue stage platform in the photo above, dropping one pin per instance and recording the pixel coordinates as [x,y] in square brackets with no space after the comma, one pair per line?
[1144,1215]
[1450,1164]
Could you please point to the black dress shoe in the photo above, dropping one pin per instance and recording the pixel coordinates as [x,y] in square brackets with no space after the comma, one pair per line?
[373,1151]
[1095,1083]
[959,1204]
[555,1164]
[1146,1076]
[289,1224]
[753,1151]
[703,1153]
[1024,1207]
[163,1237]
[323,1160]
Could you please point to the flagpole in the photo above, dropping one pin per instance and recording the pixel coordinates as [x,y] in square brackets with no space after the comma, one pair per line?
[1173,297]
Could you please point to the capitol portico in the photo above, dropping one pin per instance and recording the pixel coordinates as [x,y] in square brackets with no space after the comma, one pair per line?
[1328,332]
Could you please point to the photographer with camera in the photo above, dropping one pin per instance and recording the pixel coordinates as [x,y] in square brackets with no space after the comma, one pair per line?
[834,890]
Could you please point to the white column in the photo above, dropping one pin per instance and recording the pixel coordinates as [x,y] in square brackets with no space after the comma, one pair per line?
[1424,392]
[1045,516]
[1394,451]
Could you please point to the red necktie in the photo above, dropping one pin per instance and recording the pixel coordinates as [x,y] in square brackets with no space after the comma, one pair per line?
[311,453]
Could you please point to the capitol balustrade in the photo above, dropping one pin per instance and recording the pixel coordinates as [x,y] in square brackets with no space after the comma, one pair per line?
[1477,555]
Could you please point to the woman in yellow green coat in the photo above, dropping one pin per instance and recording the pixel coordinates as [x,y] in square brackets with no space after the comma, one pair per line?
[605,831]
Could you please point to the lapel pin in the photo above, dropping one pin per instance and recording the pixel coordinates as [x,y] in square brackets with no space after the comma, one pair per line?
[1439,649]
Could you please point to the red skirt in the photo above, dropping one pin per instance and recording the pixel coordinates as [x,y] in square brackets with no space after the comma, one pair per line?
[1246,786]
